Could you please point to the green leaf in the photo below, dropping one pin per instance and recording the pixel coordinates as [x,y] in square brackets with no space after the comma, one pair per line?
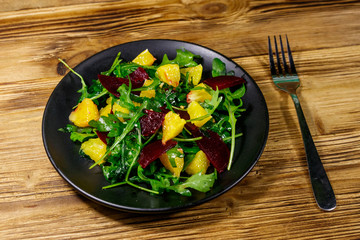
[123,70]
[81,137]
[96,90]
[218,68]
[239,93]
[233,110]
[72,128]
[116,62]
[214,102]
[184,58]
[78,133]
[83,90]
[68,129]
[125,98]
[113,172]
[199,182]
[109,123]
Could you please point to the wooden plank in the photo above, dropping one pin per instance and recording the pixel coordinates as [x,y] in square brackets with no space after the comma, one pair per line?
[274,201]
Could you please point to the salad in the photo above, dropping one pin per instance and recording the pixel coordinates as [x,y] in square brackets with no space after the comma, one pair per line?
[159,126]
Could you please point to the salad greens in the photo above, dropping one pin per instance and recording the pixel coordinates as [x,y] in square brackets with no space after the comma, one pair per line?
[133,129]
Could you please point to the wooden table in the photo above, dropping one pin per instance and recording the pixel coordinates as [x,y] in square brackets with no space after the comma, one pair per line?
[274,201]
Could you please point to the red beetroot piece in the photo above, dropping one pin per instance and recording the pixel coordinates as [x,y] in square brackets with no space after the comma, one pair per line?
[222,82]
[112,83]
[102,135]
[213,146]
[151,122]
[153,151]
[139,76]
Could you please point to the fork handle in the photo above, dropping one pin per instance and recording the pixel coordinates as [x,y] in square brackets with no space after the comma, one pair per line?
[323,192]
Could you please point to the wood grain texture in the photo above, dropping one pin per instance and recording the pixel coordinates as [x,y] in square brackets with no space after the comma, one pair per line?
[274,201]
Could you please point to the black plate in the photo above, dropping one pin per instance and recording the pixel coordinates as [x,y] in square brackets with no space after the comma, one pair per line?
[64,156]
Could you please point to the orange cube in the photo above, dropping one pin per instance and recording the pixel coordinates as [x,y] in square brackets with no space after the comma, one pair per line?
[195,110]
[199,95]
[94,148]
[173,125]
[145,58]
[200,163]
[195,73]
[85,112]
[169,73]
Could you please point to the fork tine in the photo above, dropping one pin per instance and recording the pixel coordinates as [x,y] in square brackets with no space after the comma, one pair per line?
[283,56]
[291,61]
[277,57]
[271,59]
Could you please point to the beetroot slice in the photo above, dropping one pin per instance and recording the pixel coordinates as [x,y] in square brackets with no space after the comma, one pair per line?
[222,82]
[139,76]
[151,122]
[102,135]
[153,151]
[112,83]
[213,146]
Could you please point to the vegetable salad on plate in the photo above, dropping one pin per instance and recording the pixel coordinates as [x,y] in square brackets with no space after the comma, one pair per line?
[158,125]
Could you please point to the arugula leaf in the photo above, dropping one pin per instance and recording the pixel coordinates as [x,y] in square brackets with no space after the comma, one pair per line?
[96,90]
[116,62]
[238,94]
[72,128]
[184,58]
[214,102]
[199,182]
[163,97]
[123,70]
[221,126]
[81,137]
[218,68]
[109,123]
[77,133]
[233,110]
[83,90]
[114,172]
[125,99]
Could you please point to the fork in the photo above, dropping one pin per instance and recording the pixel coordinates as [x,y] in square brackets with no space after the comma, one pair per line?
[286,78]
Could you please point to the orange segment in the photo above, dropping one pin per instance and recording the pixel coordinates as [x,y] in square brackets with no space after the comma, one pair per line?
[169,73]
[195,73]
[145,58]
[94,148]
[199,95]
[84,113]
[195,110]
[199,163]
[173,125]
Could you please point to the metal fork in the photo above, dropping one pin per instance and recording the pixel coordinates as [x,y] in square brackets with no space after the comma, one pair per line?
[285,77]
